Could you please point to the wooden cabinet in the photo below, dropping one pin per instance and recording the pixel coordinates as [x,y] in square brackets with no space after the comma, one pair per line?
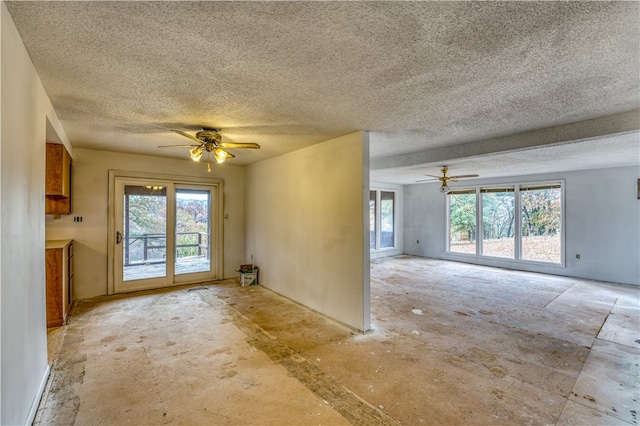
[59,273]
[58,180]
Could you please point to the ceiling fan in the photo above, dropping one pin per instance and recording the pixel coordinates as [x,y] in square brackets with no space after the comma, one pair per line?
[209,140]
[446,179]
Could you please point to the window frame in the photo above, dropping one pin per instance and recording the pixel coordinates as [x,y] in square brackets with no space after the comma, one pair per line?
[517,219]
[378,220]
[447,216]
[480,217]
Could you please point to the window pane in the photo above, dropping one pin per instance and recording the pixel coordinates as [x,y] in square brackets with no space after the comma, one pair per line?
[498,221]
[192,231]
[462,223]
[387,234]
[145,224]
[372,220]
[541,220]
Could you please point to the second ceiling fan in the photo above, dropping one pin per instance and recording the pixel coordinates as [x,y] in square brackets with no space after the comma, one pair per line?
[446,179]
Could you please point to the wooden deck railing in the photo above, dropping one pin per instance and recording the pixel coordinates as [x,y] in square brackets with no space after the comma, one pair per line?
[202,244]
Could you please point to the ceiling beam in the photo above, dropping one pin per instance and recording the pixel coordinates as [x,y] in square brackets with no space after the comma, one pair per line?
[618,124]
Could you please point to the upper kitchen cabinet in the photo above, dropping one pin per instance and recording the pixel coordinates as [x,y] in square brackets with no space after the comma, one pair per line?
[58,180]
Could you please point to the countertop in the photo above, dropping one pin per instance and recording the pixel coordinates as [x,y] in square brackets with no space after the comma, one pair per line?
[53,244]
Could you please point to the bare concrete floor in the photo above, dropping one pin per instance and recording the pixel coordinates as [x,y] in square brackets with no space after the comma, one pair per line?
[451,344]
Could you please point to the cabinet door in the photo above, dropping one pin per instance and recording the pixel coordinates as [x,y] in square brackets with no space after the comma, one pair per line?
[70,272]
[55,297]
[57,205]
[58,180]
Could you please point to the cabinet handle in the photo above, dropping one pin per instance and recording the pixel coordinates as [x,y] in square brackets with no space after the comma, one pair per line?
[118,237]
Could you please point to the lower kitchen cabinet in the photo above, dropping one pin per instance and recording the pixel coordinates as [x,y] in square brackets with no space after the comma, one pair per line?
[59,273]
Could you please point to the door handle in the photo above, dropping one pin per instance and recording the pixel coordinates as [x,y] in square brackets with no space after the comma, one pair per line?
[118,237]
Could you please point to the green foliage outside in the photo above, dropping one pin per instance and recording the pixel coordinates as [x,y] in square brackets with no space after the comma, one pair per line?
[498,215]
[192,218]
[541,212]
[541,217]
[147,216]
[462,217]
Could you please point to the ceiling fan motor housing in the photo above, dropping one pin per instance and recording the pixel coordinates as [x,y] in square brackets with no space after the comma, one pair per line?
[209,136]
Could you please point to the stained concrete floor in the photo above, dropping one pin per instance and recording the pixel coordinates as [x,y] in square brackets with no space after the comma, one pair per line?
[451,344]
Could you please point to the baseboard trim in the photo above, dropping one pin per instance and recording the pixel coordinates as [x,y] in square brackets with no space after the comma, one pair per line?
[36,401]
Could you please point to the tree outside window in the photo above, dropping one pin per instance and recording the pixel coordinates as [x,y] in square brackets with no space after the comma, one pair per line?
[462,221]
[498,222]
[539,219]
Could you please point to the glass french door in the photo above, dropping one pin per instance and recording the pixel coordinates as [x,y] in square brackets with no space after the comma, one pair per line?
[192,232]
[163,234]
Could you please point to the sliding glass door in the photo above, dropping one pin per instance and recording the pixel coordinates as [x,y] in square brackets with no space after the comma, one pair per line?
[163,234]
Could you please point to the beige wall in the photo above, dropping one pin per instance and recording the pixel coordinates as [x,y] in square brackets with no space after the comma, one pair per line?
[306,227]
[26,109]
[90,200]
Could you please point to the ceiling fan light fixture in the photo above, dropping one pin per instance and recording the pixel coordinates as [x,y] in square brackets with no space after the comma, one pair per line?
[209,140]
[196,153]
[221,155]
[444,179]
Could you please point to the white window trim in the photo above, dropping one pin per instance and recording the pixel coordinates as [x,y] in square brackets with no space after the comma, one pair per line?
[518,225]
[378,220]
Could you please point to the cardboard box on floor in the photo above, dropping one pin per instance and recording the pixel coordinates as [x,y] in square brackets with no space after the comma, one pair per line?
[248,275]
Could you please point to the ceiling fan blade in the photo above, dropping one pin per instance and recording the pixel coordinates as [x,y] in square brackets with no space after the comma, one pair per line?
[234,145]
[176,146]
[433,176]
[426,180]
[187,135]
[229,155]
[463,176]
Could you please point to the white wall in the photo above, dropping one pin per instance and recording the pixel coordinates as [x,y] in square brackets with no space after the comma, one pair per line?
[307,228]
[90,200]
[602,220]
[399,208]
[25,111]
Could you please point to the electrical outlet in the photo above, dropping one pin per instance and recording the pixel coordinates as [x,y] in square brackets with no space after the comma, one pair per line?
[252,258]
[226,215]
[577,256]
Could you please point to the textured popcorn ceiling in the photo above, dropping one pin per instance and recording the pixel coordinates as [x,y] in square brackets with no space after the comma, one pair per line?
[425,78]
